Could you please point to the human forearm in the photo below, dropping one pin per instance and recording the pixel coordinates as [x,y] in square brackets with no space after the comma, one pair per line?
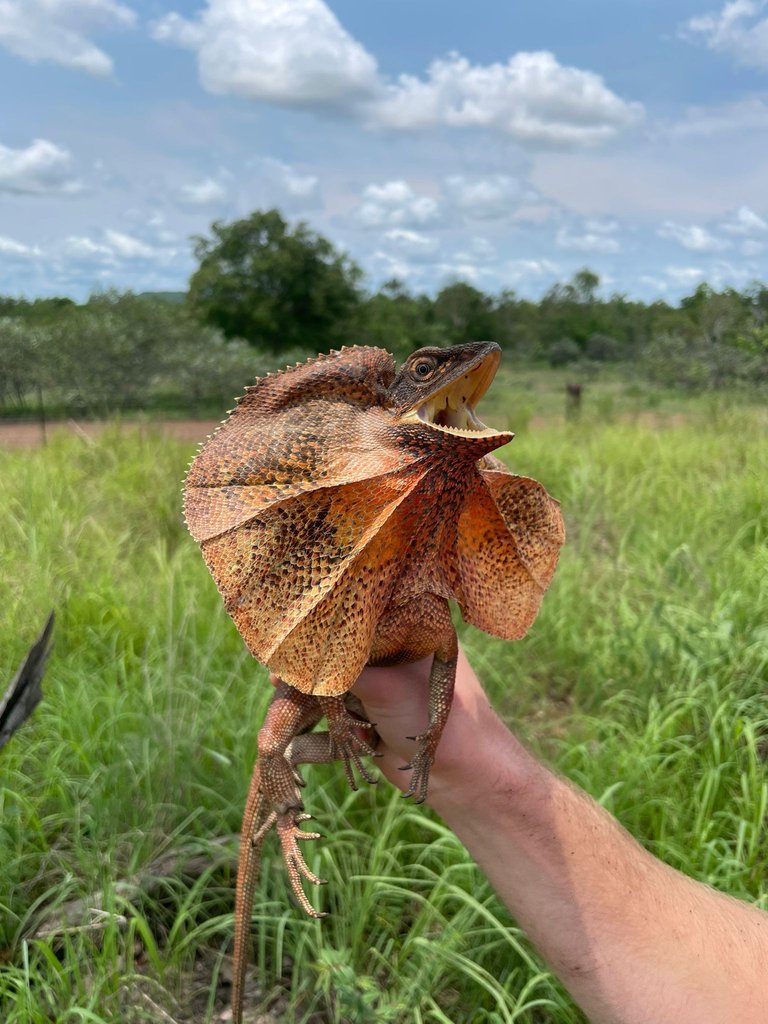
[632,939]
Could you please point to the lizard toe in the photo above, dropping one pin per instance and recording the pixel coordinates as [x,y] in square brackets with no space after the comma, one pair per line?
[289,833]
[420,766]
[348,744]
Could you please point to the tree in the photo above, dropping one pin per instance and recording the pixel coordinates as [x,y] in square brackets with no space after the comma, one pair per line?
[21,361]
[585,283]
[260,280]
[206,368]
[516,325]
[564,351]
[718,316]
[105,355]
[398,321]
[118,351]
[465,313]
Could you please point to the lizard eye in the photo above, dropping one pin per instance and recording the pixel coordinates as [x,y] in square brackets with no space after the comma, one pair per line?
[423,368]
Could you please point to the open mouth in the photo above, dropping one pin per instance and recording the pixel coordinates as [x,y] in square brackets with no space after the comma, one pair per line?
[452,409]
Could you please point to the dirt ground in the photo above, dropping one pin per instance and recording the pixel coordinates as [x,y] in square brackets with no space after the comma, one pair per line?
[30,435]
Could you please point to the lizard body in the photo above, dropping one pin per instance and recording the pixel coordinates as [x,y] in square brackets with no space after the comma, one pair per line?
[339,509]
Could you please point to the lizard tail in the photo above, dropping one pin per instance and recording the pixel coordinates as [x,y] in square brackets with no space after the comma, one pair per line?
[247,874]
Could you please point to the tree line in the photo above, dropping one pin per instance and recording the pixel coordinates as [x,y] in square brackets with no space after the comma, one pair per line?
[266,293]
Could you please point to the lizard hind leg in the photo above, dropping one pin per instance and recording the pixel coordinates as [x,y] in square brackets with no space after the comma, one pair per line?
[283,744]
[274,801]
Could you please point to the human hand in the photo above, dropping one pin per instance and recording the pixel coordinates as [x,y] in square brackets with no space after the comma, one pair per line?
[476,753]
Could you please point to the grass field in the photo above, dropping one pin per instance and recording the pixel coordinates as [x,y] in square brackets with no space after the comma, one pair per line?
[645,679]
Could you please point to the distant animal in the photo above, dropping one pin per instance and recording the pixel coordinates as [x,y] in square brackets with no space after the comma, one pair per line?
[339,509]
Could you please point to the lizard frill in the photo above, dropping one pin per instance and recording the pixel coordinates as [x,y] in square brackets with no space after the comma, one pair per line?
[508,538]
[290,501]
[312,501]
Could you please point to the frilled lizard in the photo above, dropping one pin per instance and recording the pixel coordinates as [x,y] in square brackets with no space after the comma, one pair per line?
[339,509]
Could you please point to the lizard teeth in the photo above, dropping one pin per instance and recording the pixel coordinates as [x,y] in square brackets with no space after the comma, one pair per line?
[451,414]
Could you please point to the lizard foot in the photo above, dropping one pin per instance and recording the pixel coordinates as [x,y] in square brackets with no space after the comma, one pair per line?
[288,828]
[421,765]
[344,730]
[441,683]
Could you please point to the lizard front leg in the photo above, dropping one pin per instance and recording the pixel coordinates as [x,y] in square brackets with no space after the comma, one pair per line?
[410,632]
[442,679]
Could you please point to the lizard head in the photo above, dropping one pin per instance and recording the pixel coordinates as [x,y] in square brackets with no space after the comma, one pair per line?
[439,388]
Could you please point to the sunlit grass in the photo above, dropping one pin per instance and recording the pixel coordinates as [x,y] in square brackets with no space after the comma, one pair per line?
[644,680]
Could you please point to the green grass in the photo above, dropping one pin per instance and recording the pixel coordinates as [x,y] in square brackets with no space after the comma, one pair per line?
[644,680]
[529,392]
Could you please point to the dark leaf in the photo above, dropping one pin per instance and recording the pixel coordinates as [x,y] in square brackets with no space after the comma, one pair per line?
[25,692]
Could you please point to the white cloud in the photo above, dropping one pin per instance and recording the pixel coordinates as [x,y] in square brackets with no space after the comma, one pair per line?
[531,98]
[723,275]
[602,227]
[177,30]
[522,270]
[412,244]
[300,186]
[392,266]
[491,198]
[744,222]
[41,168]
[130,248]
[114,249]
[78,247]
[736,29]
[744,115]
[10,247]
[419,257]
[460,270]
[685,275]
[205,193]
[692,237]
[290,52]
[154,224]
[720,275]
[395,204]
[296,53]
[58,30]
[599,240]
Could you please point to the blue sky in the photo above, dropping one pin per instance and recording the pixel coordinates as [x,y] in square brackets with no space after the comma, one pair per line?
[508,144]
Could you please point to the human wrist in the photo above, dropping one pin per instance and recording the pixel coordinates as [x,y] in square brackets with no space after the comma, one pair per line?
[493,771]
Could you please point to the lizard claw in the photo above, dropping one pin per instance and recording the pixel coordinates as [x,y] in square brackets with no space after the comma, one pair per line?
[351,756]
[421,765]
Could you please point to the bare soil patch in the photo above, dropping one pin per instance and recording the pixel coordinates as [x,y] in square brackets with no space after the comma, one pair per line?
[30,435]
